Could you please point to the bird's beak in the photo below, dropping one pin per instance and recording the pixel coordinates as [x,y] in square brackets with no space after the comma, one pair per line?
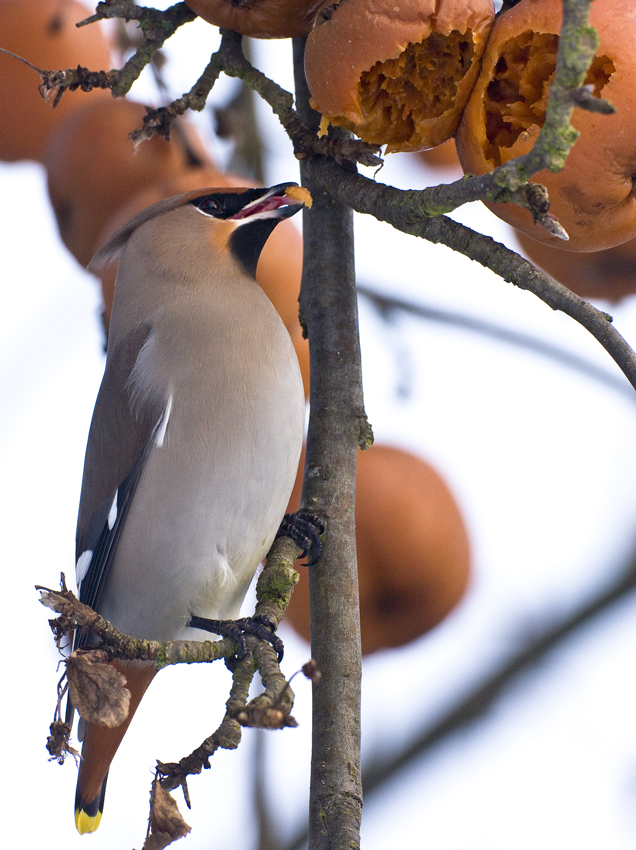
[273,203]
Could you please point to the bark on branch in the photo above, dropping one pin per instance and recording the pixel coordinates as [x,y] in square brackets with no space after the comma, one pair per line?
[337,427]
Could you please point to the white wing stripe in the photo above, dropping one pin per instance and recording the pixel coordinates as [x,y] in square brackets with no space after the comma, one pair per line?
[163,424]
[82,565]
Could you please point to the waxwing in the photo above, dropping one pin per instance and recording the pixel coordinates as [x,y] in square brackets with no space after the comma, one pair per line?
[195,438]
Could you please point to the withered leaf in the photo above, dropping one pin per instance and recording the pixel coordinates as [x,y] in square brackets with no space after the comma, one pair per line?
[57,742]
[166,823]
[97,690]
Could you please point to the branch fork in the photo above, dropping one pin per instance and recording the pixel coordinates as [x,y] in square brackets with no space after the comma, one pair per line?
[99,691]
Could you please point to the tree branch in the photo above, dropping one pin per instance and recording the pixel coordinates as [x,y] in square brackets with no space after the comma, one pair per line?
[232,61]
[475,704]
[157,28]
[337,426]
[395,207]
[388,305]
[273,591]
[90,674]
[159,121]
[305,140]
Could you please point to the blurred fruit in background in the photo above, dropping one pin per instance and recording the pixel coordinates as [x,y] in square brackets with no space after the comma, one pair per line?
[44,33]
[264,19]
[413,550]
[93,167]
[610,274]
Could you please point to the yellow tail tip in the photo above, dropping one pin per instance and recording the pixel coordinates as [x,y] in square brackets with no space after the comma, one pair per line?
[85,822]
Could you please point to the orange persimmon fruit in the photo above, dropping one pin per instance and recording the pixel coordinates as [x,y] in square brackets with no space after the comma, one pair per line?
[93,168]
[398,74]
[412,545]
[260,19]
[442,158]
[593,196]
[44,33]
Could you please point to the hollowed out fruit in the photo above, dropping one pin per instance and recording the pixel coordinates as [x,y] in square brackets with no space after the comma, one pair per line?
[395,96]
[517,96]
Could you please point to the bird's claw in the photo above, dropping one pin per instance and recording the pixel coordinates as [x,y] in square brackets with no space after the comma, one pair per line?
[305,530]
[261,626]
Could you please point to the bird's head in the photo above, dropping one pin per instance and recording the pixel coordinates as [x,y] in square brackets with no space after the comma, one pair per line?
[242,219]
[249,215]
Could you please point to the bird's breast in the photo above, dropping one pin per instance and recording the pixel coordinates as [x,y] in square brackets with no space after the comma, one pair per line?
[217,480]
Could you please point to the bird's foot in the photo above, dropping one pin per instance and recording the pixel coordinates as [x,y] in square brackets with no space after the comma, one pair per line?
[261,626]
[305,529]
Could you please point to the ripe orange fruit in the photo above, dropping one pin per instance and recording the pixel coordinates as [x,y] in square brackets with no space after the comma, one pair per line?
[44,33]
[398,74]
[93,168]
[413,550]
[442,158]
[593,196]
[264,19]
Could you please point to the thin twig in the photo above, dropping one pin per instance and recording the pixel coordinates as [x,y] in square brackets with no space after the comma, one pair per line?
[230,59]
[157,27]
[21,59]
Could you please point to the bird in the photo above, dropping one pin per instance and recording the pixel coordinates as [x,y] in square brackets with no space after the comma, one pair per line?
[195,438]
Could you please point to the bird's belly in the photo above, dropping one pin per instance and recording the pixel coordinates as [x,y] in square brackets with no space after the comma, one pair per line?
[195,533]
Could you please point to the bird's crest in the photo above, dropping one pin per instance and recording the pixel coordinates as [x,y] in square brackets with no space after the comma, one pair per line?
[110,251]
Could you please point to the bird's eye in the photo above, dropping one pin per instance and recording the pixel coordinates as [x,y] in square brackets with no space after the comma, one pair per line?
[210,206]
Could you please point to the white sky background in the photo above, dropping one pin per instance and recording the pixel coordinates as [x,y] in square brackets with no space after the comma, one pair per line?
[541,460]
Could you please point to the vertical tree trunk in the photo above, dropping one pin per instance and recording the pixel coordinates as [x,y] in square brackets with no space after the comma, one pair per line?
[337,427]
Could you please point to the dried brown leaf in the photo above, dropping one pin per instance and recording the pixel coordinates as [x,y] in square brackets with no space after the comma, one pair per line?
[97,690]
[57,742]
[166,823]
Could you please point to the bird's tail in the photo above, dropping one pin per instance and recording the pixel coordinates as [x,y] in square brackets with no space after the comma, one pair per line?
[100,746]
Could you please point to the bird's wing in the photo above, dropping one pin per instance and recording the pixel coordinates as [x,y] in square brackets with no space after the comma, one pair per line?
[119,443]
